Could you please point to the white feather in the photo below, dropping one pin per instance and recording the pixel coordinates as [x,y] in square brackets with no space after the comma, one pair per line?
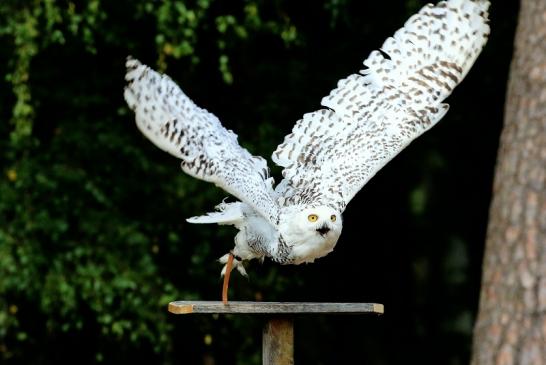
[208,151]
[331,153]
[228,213]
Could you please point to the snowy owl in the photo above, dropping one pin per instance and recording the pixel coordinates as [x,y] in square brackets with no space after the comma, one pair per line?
[332,152]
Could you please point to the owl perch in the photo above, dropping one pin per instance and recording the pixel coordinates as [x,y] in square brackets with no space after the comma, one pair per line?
[331,153]
[278,331]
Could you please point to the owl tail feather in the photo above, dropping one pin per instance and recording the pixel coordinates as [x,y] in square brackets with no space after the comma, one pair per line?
[227,213]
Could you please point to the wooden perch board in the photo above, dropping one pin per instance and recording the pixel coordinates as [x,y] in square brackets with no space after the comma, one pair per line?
[187,307]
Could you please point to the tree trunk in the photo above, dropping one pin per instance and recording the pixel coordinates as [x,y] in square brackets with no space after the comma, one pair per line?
[511,325]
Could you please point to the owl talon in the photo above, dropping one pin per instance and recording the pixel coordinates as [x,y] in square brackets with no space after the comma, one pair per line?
[241,269]
[237,264]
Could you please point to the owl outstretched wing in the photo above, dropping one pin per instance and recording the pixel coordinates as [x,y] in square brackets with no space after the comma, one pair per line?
[208,151]
[332,153]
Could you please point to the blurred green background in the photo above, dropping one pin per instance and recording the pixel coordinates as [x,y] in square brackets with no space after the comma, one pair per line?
[93,238]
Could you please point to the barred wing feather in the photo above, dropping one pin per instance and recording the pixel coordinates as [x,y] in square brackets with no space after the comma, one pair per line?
[208,151]
[373,115]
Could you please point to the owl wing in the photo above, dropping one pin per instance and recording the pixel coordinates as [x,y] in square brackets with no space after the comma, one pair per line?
[332,153]
[208,151]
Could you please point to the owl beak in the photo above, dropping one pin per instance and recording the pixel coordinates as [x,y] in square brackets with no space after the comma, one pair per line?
[323,230]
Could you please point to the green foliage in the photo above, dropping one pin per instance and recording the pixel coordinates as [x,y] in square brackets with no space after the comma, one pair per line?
[71,250]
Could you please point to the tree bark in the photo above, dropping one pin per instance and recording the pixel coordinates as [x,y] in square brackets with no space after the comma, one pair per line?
[511,324]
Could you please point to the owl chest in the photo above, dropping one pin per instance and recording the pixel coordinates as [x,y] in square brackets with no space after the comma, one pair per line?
[306,248]
[310,251]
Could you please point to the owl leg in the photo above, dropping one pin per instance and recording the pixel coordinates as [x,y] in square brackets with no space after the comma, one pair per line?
[230,262]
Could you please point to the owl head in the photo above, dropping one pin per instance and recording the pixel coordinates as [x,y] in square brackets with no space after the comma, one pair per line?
[311,232]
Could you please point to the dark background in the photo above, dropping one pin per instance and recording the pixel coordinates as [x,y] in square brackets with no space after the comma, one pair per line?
[93,238]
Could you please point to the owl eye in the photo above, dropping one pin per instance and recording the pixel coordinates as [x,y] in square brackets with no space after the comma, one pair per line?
[333,217]
[312,217]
